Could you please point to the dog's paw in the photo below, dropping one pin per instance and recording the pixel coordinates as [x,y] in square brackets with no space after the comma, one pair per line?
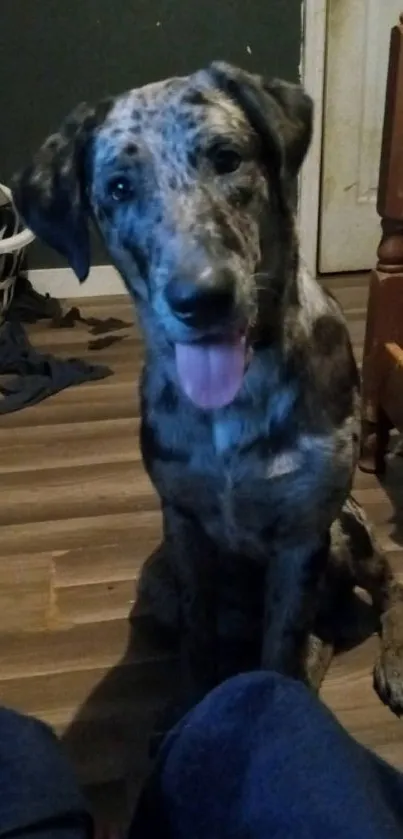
[388,680]
[388,671]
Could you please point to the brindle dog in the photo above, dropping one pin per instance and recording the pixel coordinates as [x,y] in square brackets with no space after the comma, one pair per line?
[250,392]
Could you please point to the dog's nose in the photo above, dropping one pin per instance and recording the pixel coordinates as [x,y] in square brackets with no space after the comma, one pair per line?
[205,301]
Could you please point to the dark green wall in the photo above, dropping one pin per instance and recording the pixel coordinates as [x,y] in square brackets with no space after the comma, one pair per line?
[56,53]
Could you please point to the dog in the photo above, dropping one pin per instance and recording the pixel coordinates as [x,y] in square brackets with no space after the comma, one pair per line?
[250,392]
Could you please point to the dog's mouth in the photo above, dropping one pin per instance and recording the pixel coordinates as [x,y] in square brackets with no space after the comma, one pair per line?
[211,372]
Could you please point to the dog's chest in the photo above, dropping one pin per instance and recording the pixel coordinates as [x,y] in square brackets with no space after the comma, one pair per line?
[249,484]
[234,469]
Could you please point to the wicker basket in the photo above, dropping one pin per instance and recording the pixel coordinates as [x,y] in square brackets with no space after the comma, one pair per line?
[14,239]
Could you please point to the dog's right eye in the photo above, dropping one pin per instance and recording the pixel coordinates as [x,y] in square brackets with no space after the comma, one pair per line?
[120,188]
[224,159]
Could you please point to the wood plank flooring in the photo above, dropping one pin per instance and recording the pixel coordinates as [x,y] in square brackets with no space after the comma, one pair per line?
[78,516]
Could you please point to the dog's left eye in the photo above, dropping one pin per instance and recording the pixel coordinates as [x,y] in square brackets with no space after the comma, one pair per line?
[224,159]
[120,188]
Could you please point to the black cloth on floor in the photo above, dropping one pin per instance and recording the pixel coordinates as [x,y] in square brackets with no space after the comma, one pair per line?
[36,375]
[262,757]
[29,306]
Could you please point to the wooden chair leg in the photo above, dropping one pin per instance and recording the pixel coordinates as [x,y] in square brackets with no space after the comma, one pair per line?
[384,316]
[370,379]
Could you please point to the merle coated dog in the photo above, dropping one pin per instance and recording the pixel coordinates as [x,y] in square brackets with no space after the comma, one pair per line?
[250,392]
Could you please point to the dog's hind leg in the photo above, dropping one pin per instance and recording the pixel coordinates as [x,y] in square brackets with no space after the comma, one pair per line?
[339,621]
[372,572]
[330,627]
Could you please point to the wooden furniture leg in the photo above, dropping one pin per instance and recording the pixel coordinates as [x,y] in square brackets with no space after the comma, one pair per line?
[385,304]
[384,325]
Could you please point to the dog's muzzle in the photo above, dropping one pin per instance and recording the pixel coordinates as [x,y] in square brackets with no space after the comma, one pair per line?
[205,302]
[210,368]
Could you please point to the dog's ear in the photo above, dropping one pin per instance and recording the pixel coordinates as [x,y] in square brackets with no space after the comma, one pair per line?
[50,194]
[280,112]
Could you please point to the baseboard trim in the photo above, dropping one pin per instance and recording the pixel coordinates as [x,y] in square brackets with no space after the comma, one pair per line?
[62,282]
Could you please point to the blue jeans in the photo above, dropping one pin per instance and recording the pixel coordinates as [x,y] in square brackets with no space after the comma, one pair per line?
[39,796]
[259,757]
[262,758]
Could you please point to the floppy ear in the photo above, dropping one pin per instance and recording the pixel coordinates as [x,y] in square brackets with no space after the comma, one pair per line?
[280,112]
[50,193]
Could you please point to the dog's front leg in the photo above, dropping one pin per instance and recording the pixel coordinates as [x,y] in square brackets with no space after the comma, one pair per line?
[292,582]
[192,563]
[194,566]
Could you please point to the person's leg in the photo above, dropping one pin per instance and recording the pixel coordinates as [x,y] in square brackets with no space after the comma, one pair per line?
[261,756]
[39,795]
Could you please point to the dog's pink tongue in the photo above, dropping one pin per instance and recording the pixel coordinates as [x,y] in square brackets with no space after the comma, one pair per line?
[211,374]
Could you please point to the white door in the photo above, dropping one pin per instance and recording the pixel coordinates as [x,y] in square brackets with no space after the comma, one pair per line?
[358,34]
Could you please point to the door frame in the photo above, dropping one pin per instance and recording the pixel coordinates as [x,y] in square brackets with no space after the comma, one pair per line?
[312,72]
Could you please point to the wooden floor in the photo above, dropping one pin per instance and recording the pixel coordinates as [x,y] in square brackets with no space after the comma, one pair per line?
[77,518]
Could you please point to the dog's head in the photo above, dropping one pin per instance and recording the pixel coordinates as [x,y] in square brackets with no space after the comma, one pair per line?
[190,183]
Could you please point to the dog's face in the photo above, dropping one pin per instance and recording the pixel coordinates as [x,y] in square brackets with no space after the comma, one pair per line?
[188,181]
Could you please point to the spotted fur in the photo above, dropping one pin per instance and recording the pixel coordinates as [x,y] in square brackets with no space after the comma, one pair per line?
[249,492]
